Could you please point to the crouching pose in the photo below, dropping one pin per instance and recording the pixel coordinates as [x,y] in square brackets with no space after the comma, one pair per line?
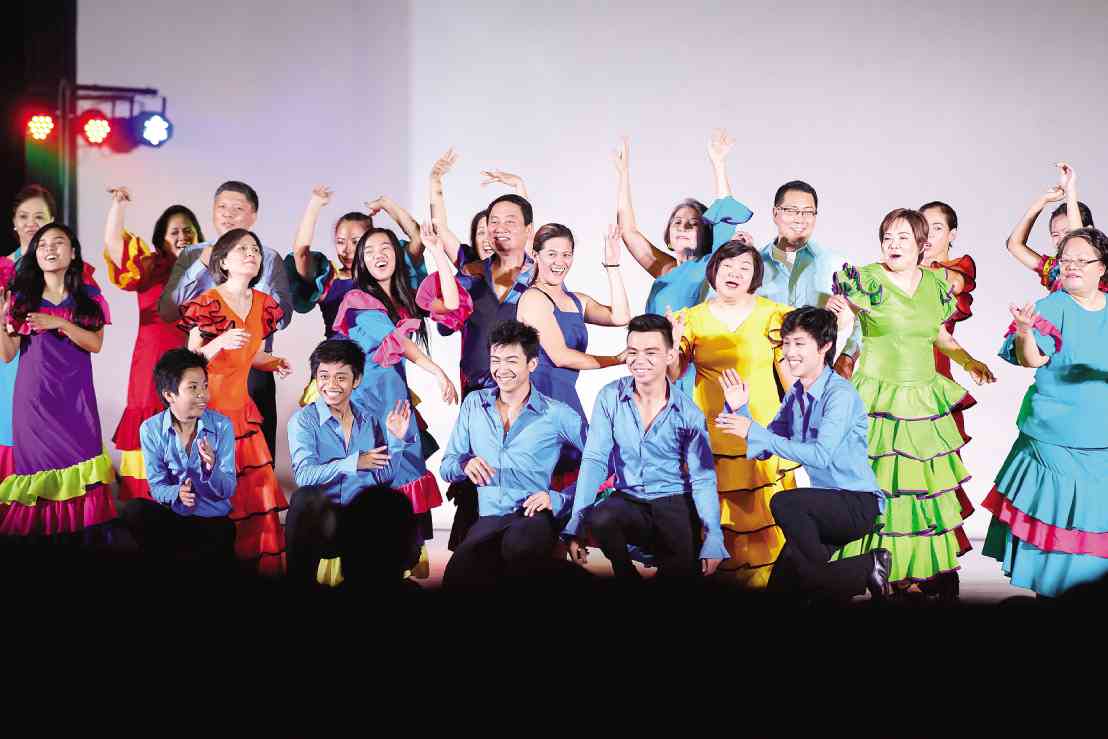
[506,442]
[655,438]
[823,425]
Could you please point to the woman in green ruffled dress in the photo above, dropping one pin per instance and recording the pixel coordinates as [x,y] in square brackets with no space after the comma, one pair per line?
[912,435]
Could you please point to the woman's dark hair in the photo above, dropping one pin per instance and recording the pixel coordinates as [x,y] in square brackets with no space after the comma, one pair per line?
[795,186]
[648,322]
[162,225]
[703,228]
[171,368]
[520,202]
[223,247]
[507,333]
[241,188]
[948,212]
[736,249]
[356,217]
[400,285]
[338,351]
[1061,210]
[473,224]
[819,323]
[36,191]
[916,222]
[29,283]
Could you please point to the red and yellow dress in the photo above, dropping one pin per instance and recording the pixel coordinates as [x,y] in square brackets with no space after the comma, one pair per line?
[258,499]
[145,273]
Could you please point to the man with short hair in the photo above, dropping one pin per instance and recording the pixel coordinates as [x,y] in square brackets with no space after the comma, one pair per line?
[235,206]
[823,425]
[657,441]
[506,442]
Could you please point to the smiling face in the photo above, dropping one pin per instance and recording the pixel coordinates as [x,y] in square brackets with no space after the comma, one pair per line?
[795,218]
[179,233]
[232,210]
[336,383]
[347,236]
[191,398]
[244,259]
[682,231]
[30,215]
[803,356]
[509,367]
[379,257]
[54,252]
[899,248]
[648,356]
[1081,267]
[506,229]
[484,244]
[939,235]
[734,276]
[1059,227]
[553,259]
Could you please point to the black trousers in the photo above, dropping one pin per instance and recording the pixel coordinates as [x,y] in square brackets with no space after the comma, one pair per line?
[815,523]
[263,391]
[498,547]
[162,533]
[667,526]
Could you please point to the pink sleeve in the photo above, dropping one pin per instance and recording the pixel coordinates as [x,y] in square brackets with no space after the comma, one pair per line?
[430,291]
[391,349]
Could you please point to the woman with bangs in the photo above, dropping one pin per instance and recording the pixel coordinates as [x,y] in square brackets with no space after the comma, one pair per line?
[736,331]
[693,233]
[135,266]
[913,438]
[228,325]
[54,321]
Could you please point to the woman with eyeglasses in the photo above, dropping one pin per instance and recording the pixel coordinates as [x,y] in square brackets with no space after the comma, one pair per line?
[693,233]
[913,438]
[1050,515]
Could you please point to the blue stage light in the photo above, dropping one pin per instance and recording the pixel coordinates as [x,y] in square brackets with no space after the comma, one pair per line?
[152,129]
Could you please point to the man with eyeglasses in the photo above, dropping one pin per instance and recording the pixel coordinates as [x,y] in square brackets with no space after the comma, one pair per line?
[797,270]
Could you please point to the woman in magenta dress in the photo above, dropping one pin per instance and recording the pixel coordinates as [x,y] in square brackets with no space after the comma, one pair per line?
[138,267]
[54,321]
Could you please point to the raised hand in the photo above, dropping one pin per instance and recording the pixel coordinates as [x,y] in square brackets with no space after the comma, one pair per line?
[1025,317]
[120,194]
[1066,176]
[429,236]
[743,237]
[374,459]
[479,471]
[1054,194]
[398,420]
[321,196]
[621,157]
[377,205]
[185,493]
[444,164]
[207,454]
[613,245]
[735,391]
[719,146]
[504,178]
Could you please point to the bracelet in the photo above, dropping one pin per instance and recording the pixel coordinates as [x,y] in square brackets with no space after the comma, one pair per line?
[602,264]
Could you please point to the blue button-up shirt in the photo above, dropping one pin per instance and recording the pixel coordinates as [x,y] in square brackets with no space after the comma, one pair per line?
[523,458]
[672,457]
[190,277]
[168,465]
[824,428]
[321,456]
[808,282]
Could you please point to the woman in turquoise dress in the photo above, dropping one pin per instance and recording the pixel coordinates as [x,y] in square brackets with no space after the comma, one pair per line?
[693,233]
[1050,514]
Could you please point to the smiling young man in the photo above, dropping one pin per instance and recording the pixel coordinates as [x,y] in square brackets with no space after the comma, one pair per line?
[657,441]
[189,452]
[338,449]
[506,442]
[823,425]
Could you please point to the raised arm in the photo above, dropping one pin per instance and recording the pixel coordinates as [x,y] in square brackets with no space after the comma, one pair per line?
[618,313]
[1017,242]
[719,146]
[305,232]
[537,310]
[444,268]
[113,229]
[449,239]
[416,356]
[655,261]
[1069,184]
[513,181]
[403,219]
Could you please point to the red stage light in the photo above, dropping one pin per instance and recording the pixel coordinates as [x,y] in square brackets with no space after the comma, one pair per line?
[39,126]
[94,127]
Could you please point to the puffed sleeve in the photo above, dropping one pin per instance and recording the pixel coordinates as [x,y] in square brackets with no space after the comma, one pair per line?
[430,291]
[860,288]
[947,303]
[205,312]
[271,313]
[138,267]
[305,294]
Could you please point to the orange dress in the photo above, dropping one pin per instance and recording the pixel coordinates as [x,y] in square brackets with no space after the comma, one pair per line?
[258,499]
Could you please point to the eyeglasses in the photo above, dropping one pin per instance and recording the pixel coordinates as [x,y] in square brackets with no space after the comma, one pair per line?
[794,212]
[1081,263]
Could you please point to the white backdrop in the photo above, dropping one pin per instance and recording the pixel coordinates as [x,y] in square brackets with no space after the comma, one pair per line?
[878,105]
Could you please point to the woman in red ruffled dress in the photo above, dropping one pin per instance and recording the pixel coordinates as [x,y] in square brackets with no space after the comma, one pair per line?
[228,325]
[135,266]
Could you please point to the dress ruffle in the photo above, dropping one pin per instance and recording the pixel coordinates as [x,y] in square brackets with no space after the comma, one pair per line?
[126,436]
[965,267]
[57,485]
[140,266]
[208,313]
[752,538]
[423,493]
[430,290]
[391,349]
[7,462]
[355,300]
[92,507]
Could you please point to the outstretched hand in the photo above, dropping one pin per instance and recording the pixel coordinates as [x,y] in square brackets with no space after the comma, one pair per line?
[120,194]
[444,164]
[735,391]
[321,195]
[398,420]
[505,178]
[429,236]
[621,157]
[719,146]
[1025,317]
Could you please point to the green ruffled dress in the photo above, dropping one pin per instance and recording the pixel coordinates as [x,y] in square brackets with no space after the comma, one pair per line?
[913,439]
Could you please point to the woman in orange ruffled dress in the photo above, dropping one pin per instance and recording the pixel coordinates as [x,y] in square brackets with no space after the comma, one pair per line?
[136,267]
[228,324]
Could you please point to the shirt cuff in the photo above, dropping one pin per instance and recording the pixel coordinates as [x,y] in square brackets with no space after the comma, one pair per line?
[713,547]
[757,439]
[349,465]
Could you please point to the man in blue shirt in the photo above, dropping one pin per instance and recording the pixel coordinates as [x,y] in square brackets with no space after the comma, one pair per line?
[189,453]
[823,425]
[797,271]
[655,438]
[235,206]
[506,442]
[338,449]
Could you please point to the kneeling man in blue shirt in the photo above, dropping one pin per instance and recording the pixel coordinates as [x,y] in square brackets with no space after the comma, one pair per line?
[823,425]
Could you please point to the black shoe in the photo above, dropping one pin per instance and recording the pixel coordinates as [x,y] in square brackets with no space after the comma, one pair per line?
[878,582]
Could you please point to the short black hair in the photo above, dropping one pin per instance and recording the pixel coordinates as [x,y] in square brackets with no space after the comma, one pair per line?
[948,212]
[241,188]
[171,368]
[1082,209]
[338,351]
[162,225]
[731,250]
[798,185]
[819,323]
[648,322]
[223,246]
[507,333]
[528,212]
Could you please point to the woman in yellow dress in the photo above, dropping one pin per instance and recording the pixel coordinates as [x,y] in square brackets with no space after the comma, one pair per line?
[737,330]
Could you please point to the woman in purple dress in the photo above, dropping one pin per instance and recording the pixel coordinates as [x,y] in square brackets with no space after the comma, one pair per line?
[54,321]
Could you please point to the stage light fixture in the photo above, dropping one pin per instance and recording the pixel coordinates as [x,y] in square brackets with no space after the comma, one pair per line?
[152,129]
[40,126]
[123,138]
[94,127]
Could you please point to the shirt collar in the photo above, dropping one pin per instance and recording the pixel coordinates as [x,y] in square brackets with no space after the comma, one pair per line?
[811,246]
[167,422]
[627,391]
[536,401]
[817,388]
[323,411]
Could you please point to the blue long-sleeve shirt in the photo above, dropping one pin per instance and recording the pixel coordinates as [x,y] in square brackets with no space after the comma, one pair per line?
[824,428]
[321,456]
[168,465]
[523,458]
[672,457]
